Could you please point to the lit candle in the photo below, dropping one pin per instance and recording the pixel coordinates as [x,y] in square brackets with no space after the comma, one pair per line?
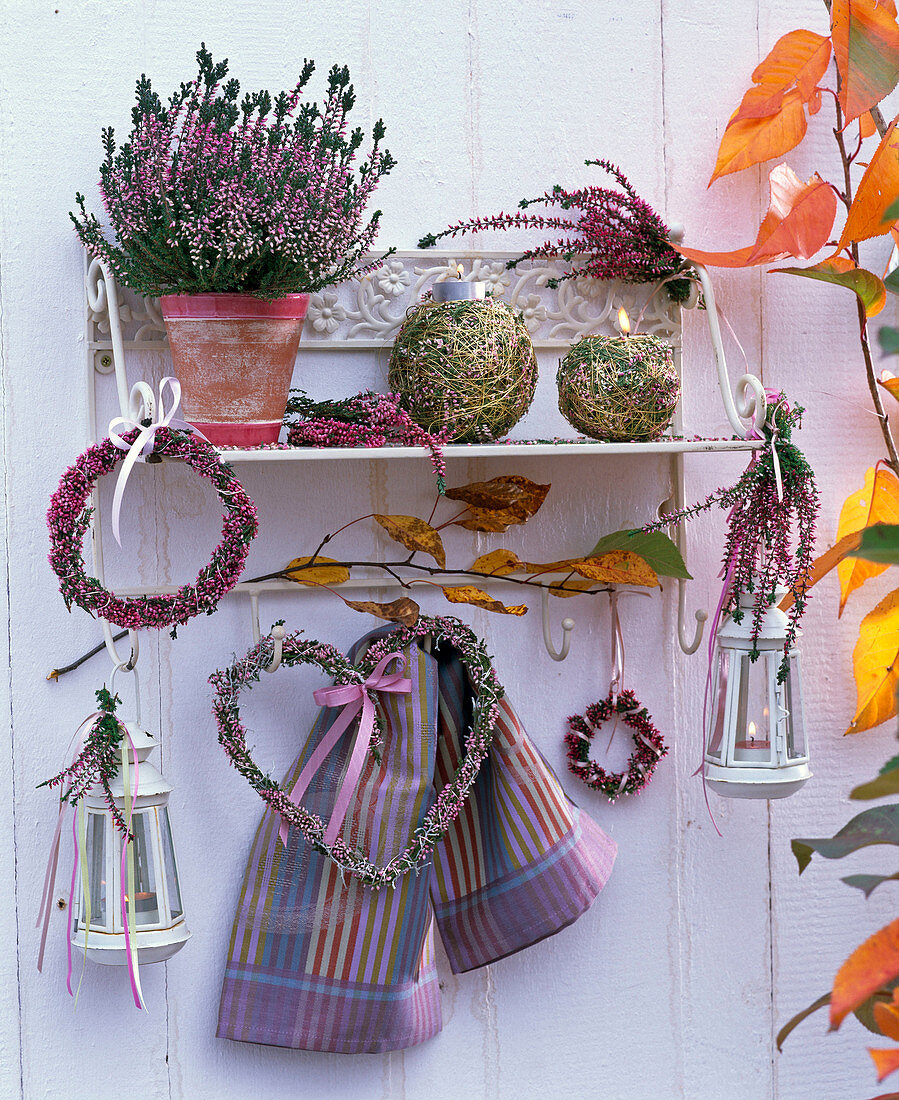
[624,322]
[458,289]
[753,748]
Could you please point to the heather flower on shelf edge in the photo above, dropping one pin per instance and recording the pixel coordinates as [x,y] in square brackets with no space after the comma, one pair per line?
[618,235]
[258,196]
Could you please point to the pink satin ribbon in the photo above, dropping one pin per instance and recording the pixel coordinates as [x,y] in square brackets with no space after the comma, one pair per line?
[353,698]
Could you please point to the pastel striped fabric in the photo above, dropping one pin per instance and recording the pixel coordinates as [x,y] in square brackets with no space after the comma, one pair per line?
[318,963]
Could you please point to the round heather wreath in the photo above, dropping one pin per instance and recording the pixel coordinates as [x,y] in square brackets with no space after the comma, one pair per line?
[488,691]
[69,517]
[648,751]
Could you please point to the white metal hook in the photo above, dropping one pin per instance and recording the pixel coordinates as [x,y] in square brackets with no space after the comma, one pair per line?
[278,634]
[141,403]
[127,663]
[567,627]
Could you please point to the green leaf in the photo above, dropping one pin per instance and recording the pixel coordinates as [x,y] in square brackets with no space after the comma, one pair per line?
[892,211]
[876,826]
[865,284]
[879,543]
[886,783]
[654,547]
[888,338]
[891,282]
[869,883]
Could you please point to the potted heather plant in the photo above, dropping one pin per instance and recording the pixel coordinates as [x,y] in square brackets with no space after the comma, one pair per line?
[233,211]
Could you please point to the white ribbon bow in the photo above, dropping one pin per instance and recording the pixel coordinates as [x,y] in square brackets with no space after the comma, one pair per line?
[142,406]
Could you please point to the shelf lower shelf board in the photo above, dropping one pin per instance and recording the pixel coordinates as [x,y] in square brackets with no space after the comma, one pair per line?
[514,448]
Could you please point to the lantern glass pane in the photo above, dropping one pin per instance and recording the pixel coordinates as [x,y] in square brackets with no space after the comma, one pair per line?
[792,705]
[146,896]
[96,869]
[171,869]
[752,727]
[719,705]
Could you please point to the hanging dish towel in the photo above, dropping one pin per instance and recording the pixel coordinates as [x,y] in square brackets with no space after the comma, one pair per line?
[319,963]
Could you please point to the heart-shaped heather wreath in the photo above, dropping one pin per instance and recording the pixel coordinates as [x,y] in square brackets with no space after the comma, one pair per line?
[487,692]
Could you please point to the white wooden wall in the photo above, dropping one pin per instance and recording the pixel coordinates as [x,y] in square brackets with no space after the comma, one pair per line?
[677,980]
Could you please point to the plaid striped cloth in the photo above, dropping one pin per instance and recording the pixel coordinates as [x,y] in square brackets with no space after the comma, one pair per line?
[319,963]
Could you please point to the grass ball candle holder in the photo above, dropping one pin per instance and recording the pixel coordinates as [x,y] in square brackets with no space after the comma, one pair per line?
[619,388]
[464,367]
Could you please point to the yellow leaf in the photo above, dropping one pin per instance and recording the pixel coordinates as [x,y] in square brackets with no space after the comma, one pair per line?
[875,662]
[562,566]
[415,535]
[325,571]
[467,593]
[618,567]
[876,502]
[498,563]
[403,610]
[571,586]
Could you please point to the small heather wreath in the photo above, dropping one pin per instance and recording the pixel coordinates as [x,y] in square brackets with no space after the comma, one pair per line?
[69,517]
[649,746]
[446,807]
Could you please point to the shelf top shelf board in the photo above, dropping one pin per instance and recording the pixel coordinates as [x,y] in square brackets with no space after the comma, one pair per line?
[514,448]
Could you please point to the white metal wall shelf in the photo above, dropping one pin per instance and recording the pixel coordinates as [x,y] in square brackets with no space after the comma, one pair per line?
[365,316]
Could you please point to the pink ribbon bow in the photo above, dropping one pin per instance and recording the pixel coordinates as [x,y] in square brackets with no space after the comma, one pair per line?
[353,698]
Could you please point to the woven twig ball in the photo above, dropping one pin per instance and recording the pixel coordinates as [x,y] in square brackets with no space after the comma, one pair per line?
[619,388]
[466,367]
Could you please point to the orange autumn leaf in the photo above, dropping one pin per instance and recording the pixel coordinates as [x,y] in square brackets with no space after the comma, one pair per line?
[498,563]
[871,966]
[798,223]
[876,191]
[618,567]
[799,58]
[875,663]
[890,383]
[415,535]
[467,593]
[866,47]
[876,502]
[749,141]
[867,127]
[823,564]
[325,571]
[886,1017]
[886,1061]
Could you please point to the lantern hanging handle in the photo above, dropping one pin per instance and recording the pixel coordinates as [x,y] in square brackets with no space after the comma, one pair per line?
[126,666]
[117,660]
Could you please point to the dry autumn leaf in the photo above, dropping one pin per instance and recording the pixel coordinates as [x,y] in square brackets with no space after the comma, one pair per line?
[841,271]
[875,662]
[498,563]
[876,502]
[325,571]
[870,967]
[415,535]
[886,1061]
[798,223]
[749,141]
[467,593]
[403,610]
[618,567]
[799,58]
[562,566]
[866,48]
[571,586]
[516,497]
[876,191]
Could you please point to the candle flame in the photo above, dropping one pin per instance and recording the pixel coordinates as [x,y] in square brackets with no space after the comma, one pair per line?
[624,322]
[459,271]
[751,731]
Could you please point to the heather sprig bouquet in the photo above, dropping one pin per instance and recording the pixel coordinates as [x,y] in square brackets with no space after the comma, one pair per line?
[615,233]
[259,195]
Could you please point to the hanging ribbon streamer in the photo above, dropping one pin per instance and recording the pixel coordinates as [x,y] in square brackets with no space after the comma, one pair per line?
[141,448]
[353,698]
[126,871]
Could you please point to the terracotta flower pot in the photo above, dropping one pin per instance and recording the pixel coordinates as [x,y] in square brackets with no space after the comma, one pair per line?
[234,357]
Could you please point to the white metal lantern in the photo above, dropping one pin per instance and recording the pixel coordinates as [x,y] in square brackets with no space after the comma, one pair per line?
[158,910]
[755,738]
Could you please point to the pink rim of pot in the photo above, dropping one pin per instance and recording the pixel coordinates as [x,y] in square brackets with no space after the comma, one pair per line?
[232,306]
